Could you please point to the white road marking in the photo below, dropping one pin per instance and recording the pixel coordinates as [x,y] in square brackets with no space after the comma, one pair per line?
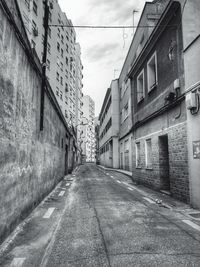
[193,225]
[17,262]
[111,176]
[48,214]
[67,184]
[130,188]
[124,183]
[118,182]
[149,200]
[61,193]
[107,173]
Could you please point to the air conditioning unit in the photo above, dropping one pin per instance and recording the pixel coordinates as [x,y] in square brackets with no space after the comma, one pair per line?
[191,101]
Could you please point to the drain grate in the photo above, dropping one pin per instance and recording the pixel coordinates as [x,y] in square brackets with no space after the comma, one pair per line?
[195,215]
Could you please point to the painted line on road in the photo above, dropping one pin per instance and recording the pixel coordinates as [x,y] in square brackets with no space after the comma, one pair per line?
[118,182]
[107,173]
[67,184]
[130,188]
[124,183]
[17,262]
[61,193]
[149,200]
[48,214]
[111,176]
[193,225]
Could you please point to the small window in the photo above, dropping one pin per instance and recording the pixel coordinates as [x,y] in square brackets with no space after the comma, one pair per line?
[148,153]
[138,155]
[57,76]
[140,86]
[35,8]
[27,2]
[48,64]
[49,48]
[58,47]
[61,80]
[152,72]
[49,32]
[61,52]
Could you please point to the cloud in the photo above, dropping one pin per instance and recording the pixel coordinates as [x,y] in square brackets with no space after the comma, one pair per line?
[114,10]
[98,52]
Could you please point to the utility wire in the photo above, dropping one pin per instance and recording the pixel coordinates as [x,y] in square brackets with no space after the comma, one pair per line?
[107,27]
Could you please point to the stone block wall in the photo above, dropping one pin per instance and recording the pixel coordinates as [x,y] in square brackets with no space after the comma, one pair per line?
[177,158]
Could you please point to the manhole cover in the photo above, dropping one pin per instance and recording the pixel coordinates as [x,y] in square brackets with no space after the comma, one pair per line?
[195,215]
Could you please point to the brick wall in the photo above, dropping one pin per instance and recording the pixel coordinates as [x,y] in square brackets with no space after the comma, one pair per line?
[177,155]
[31,162]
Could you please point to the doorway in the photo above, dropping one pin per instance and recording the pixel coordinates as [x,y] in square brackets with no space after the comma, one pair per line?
[164,163]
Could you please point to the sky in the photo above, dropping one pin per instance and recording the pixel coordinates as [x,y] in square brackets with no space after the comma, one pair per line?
[103,50]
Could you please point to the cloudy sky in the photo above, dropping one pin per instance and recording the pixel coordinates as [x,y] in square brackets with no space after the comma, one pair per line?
[103,50]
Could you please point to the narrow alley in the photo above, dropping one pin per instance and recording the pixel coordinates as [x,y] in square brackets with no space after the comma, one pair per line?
[97,217]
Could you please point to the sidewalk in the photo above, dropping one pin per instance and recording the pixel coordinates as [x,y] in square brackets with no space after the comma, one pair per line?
[158,197]
[29,241]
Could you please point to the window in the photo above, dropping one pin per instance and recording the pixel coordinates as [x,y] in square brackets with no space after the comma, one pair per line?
[66,88]
[61,95]
[62,39]
[61,66]
[148,153]
[152,72]
[58,33]
[49,32]
[57,91]
[61,52]
[58,47]
[49,48]
[126,109]
[67,48]
[61,80]
[33,44]
[50,17]
[138,155]
[67,61]
[140,86]
[48,64]
[35,8]
[34,26]
[57,76]
[27,2]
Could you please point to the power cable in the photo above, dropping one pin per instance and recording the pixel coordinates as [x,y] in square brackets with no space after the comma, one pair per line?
[107,27]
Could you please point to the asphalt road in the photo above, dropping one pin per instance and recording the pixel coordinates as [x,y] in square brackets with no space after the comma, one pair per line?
[107,224]
[104,221]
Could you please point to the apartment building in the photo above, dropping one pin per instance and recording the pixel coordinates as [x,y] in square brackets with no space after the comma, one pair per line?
[150,16]
[64,67]
[109,127]
[88,129]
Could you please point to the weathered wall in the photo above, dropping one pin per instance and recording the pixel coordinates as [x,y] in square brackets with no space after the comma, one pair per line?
[31,162]
[178,154]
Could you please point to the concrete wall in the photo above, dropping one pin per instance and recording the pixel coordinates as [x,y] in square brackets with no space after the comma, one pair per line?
[191,41]
[31,162]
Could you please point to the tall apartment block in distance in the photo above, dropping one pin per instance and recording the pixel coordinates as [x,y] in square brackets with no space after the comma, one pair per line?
[64,67]
[88,129]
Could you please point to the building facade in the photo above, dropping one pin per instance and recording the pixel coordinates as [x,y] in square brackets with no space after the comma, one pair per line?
[150,16]
[88,129]
[191,52]
[109,128]
[160,157]
[63,67]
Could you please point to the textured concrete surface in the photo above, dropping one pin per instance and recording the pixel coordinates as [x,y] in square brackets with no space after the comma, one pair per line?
[31,162]
[101,222]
